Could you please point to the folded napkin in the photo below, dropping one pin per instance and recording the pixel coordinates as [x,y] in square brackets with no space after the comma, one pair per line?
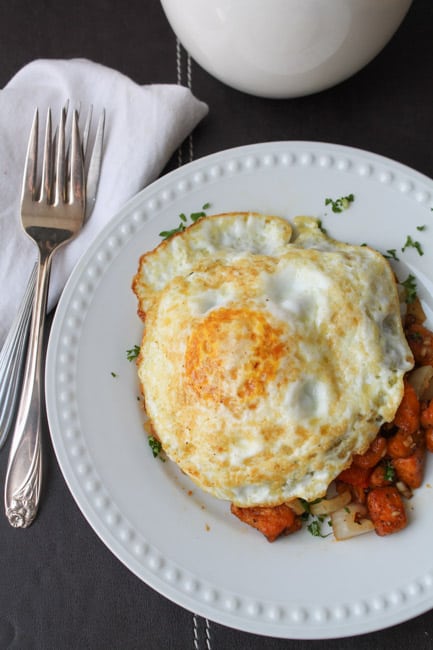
[144,126]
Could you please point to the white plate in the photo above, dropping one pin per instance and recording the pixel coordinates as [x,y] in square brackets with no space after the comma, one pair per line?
[183,543]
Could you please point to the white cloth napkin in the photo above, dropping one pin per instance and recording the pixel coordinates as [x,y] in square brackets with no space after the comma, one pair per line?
[144,126]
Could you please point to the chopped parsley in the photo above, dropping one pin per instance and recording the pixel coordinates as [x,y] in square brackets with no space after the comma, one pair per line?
[410,243]
[166,234]
[314,528]
[389,474]
[421,227]
[321,227]
[307,506]
[194,217]
[156,447]
[133,353]
[314,525]
[410,285]
[343,203]
[113,374]
[391,254]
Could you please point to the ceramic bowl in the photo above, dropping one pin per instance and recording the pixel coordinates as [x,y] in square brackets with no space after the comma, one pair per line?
[284,48]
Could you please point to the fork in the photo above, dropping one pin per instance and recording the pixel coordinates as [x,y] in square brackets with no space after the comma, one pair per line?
[51,215]
[12,355]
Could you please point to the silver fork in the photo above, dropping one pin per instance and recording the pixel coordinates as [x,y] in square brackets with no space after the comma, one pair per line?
[13,352]
[51,215]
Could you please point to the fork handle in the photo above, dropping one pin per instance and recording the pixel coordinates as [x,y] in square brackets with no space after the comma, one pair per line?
[24,471]
[12,359]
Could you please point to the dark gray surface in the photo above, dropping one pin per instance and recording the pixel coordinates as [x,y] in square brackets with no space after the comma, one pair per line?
[60,586]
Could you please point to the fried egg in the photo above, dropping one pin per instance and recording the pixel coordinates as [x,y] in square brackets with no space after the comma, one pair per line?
[211,238]
[271,354]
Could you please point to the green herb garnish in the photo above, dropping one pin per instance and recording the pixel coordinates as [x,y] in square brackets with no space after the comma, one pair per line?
[133,353]
[343,203]
[194,217]
[321,227]
[410,285]
[391,254]
[389,474]
[307,506]
[166,234]
[156,447]
[410,243]
[113,374]
[421,227]
[315,527]
[315,521]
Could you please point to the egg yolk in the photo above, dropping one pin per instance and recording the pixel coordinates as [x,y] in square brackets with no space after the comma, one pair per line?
[231,357]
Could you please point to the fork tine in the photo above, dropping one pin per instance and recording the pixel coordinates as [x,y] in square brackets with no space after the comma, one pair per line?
[46,181]
[86,131]
[84,137]
[77,189]
[60,172]
[92,155]
[66,108]
[94,168]
[29,178]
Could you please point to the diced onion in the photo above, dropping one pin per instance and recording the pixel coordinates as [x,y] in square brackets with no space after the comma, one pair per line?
[349,522]
[404,489]
[421,380]
[327,506]
[297,506]
[322,507]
